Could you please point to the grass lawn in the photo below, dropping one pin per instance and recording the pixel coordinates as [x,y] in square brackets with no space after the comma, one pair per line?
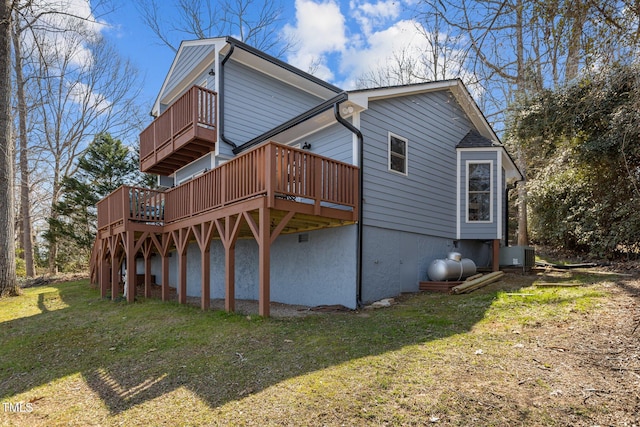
[509,354]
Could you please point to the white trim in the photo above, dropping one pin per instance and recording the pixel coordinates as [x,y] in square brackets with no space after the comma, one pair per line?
[458,184]
[512,172]
[500,195]
[491,191]
[406,153]
[355,145]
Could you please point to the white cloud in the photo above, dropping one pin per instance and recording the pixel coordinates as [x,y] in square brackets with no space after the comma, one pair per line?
[319,31]
[372,15]
[380,48]
[82,94]
[341,51]
[64,24]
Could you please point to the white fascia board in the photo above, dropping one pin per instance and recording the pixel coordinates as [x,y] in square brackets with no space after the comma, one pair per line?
[468,104]
[457,88]
[363,96]
[217,44]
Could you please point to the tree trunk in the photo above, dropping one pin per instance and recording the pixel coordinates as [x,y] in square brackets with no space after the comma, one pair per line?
[577,15]
[25,205]
[523,235]
[8,281]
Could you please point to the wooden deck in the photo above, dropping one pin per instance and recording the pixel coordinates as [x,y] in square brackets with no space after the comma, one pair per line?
[268,191]
[182,133]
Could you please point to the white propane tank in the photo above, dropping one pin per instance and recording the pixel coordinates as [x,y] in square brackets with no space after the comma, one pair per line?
[453,268]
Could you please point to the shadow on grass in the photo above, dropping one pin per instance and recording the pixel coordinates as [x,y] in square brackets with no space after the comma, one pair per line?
[131,353]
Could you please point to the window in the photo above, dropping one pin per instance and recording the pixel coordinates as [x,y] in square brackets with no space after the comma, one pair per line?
[479,196]
[397,154]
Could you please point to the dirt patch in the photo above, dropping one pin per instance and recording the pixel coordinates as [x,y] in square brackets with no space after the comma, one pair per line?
[581,370]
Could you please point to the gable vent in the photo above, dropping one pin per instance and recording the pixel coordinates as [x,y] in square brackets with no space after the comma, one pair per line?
[304,237]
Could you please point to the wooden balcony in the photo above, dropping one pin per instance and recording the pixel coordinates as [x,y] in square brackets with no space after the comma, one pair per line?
[182,133]
[323,191]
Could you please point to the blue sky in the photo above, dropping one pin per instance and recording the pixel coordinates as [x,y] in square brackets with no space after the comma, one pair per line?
[341,38]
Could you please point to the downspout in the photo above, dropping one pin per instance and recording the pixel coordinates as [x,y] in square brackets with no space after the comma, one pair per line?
[221,95]
[356,131]
[506,215]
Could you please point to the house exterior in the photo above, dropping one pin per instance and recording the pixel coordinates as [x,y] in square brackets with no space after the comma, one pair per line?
[278,186]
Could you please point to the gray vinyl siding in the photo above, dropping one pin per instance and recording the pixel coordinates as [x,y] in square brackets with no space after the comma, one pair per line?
[194,167]
[256,103]
[334,141]
[189,57]
[479,230]
[423,201]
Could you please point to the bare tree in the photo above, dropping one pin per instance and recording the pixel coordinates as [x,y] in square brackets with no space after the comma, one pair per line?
[400,69]
[80,96]
[434,55]
[8,281]
[25,234]
[255,22]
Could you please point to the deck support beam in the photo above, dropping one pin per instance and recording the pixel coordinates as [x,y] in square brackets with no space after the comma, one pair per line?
[496,255]
[264,251]
[181,240]
[105,268]
[203,234]
[146,252]
[164,250]
[228,232]
[115,276]
[131,265]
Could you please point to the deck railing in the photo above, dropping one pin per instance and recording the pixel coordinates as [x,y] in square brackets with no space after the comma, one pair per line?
[131,203]
[197,107]
[271,170]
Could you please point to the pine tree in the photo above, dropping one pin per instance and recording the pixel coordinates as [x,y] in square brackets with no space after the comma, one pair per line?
[106,165]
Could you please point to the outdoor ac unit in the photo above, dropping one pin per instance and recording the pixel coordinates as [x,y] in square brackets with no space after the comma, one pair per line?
[518,256]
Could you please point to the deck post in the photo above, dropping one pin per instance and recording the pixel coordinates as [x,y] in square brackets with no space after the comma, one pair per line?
[147,269]
[115,275]
[264,243]
[104,276]
[182,277]
[203,233]
[164,250]
[496,255]
[181,240]
[230,277]
[131,266]
[165,276]
[206,278]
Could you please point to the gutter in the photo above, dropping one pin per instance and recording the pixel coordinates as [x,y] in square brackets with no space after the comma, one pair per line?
[356,131]
[275,61]
[232,47]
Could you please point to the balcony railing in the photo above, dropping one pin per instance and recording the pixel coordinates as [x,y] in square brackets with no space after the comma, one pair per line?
[271,170]
[190,122]
[131,203]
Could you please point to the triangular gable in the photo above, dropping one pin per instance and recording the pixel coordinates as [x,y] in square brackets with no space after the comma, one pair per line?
[192,58]
[455,86]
